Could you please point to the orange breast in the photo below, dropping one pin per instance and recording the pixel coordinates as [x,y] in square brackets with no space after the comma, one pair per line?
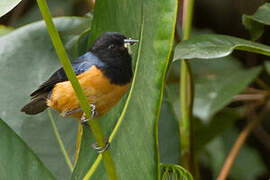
[97,88]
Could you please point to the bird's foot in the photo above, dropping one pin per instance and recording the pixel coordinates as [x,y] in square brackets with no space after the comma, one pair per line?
[93,114]
[102,149]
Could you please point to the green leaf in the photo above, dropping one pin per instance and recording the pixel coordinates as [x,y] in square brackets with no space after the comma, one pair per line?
[168,133]
[28,59]
[7,5]
[5,29]
[215,84]
[209,46]
[134,148]
[17,160]
[255,23]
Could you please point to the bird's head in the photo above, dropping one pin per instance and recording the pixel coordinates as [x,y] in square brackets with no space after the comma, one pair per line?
[113,48]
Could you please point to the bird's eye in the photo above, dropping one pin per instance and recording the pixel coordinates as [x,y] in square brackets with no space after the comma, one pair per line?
[111,46]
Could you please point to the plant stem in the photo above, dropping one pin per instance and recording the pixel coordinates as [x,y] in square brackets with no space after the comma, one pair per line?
[238,144]
[78,144]
[58,137]
[249,97]
[186,96]
[60,50]
[187,18]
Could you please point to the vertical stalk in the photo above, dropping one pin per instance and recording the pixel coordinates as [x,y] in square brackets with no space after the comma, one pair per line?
[186,96]
[78,143]
[60,50]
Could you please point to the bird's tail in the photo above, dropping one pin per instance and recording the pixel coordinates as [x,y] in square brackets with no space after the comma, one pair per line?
[38,104]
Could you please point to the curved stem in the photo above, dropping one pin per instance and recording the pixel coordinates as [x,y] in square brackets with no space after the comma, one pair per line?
[58,137]
[60,50]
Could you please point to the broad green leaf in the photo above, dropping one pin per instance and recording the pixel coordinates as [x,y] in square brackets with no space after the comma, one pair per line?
[255,23]
[248,160]
[168,133]
[134,148]
[209,46]
[28,59]
[17,160]
[267,66]
[7,5]
[215,84]
[4,30]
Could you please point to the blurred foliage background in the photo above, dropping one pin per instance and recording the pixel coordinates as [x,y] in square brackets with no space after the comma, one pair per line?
[225,80]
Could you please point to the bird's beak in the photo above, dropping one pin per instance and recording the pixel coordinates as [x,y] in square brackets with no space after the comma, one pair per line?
[130,41]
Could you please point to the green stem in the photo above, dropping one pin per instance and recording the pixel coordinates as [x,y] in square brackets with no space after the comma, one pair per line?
[58,137]
[78,143]
[186,97]
[60,50]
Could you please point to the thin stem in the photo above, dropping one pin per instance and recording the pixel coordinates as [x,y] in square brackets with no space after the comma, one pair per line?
[186,97]
[249,97]
[187,18]
[185,118]
[93,168]
[78,144]
[60,142]
[238,144]
[60,50]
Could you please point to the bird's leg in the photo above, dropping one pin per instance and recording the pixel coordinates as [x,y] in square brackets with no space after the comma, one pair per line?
[100,149]
[84,123]
[73,111]
[93,114]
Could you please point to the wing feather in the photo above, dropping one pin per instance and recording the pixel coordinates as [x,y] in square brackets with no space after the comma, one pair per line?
[80,65]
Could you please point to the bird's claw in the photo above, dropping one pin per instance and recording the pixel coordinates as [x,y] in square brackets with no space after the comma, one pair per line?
[93,114]
[101,149]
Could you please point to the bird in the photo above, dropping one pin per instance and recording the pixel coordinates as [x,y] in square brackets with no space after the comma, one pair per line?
[104,72]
